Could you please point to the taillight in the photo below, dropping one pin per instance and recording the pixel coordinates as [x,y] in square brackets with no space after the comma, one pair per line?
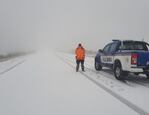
[134,58]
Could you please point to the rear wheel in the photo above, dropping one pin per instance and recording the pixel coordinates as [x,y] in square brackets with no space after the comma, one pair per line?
[118,72]
[147,74]
[98,67]
[136,73]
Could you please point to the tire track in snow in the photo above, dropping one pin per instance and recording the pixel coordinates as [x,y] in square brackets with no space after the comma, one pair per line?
[121,99]
[12,67]
[98,72]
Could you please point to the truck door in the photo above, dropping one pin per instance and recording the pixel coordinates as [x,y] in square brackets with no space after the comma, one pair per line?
[105,55]
[113,49]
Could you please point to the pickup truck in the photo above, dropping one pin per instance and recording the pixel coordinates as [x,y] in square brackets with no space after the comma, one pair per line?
[123,57]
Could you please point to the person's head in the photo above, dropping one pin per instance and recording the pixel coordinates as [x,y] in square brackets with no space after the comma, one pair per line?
[79,45]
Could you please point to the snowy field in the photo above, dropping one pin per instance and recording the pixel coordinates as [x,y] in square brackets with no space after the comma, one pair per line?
[46,83]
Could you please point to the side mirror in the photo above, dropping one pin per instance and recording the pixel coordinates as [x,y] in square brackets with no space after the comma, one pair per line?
[100,50]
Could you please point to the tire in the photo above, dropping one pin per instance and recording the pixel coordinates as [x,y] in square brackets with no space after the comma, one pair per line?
[98,67]
[147,75]
[118,72]
[136,73]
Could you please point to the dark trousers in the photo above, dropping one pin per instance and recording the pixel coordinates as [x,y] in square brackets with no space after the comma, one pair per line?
[78,64]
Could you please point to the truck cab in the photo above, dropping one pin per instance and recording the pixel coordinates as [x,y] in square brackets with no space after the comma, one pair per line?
[124,57]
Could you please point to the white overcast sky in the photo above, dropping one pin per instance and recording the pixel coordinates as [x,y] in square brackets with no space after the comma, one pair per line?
[62,24]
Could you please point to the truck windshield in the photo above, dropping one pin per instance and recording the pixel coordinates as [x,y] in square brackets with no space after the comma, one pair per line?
[134,45]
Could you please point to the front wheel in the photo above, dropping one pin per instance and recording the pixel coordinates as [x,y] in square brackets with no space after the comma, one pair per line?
[118,72]
[98,67]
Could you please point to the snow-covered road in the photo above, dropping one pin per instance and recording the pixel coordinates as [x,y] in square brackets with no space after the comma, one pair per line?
[46,84]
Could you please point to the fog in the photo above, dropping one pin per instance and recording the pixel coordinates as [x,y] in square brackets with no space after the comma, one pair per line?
[27,25]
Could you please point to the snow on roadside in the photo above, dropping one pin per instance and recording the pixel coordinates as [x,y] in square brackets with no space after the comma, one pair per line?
[136,94]
[45,85]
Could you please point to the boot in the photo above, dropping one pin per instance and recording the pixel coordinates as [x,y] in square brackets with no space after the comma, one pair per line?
[83,69]
[77,68]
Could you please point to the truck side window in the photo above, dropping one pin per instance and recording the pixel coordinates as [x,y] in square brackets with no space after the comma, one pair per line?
[147,45]
[106,48]
[114,47]
[131,45]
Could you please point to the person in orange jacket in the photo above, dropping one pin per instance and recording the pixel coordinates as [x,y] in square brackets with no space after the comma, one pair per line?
[80,56]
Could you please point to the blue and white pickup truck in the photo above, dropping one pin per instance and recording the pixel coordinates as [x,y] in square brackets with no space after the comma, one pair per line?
[123,57]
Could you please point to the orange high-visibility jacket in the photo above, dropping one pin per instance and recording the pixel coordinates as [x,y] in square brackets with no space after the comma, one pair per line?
[80,53]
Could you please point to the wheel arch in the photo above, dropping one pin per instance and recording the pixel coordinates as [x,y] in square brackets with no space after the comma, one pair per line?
[98,58]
